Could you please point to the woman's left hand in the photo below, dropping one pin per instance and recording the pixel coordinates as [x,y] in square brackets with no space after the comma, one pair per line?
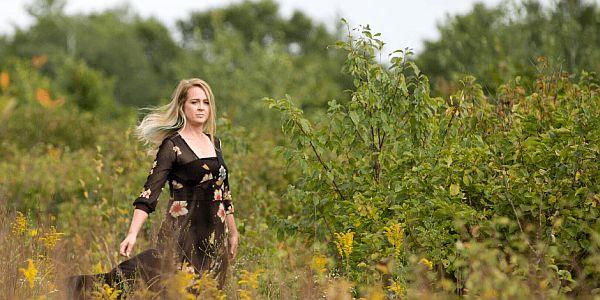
[233,244]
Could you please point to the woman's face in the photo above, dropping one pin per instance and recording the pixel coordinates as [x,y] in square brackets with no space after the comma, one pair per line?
[196,107]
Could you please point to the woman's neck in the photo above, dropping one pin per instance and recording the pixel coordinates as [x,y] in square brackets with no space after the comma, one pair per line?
[193,130]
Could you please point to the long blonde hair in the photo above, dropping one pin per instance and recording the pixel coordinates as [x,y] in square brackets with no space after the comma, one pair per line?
[167,119]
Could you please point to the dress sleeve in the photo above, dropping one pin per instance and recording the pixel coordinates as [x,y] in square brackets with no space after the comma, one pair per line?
[161,167]
[227,199]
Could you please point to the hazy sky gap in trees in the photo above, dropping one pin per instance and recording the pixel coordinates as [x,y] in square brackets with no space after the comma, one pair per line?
[402,23]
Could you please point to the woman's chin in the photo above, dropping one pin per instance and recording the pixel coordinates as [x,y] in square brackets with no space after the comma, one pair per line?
[197,122]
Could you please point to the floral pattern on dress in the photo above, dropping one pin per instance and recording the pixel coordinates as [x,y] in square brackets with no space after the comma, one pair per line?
[176,185]
[221,212]
[177,150]
[178,208]
[207,176]
[153,166]
[146,193]
[218,195]
[222,173]
[227,194]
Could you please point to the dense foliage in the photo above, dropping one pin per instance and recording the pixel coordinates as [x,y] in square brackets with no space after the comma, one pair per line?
[406,174]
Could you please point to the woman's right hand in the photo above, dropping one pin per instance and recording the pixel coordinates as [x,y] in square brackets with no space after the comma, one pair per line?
[139,217]
[127,245]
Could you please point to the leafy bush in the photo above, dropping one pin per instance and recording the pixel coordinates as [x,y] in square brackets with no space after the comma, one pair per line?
[520,169]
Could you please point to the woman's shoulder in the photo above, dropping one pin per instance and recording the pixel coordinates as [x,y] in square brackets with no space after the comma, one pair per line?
[171,136]
[217,141]
[169,139]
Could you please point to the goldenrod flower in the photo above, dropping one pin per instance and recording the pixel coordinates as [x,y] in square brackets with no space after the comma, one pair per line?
[395,235]
[178,285]
[319,263]
[50,239]
[396,288]
[344,244]
[249,279]
[107,292]
[97,268]
[208,287]
[20,224]
[30,272]
[426,262]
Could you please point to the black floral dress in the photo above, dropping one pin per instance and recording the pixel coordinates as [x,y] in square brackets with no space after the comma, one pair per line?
[192,236]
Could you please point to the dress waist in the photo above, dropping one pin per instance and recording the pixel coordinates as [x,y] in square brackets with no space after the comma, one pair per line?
[203,191]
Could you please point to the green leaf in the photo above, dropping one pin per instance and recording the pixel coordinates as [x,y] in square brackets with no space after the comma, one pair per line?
[454,189]
[354,117]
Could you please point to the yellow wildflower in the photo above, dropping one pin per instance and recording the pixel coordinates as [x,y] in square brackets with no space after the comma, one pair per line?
[344,244]
[396,288]
[319,263]
[249,279]
[395,235]
[50,239]
[179,284]
[245,295]
[97,268]
[208,287]
[33,232]
[249,283]
[30,272]
[107,292]
[424,261]
[20,224]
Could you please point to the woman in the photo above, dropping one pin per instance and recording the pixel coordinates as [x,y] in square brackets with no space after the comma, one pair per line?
[199,232]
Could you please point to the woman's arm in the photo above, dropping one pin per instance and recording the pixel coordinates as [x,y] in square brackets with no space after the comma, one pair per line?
[233,235]
[146,202]
[139,217]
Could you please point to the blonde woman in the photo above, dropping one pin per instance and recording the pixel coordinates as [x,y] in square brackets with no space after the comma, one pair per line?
[199,232]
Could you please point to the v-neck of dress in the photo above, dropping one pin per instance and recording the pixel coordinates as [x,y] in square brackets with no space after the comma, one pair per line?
[192,150]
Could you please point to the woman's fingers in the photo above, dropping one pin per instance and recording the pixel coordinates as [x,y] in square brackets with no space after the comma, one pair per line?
[233,243]
[122,248]
[126,247]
